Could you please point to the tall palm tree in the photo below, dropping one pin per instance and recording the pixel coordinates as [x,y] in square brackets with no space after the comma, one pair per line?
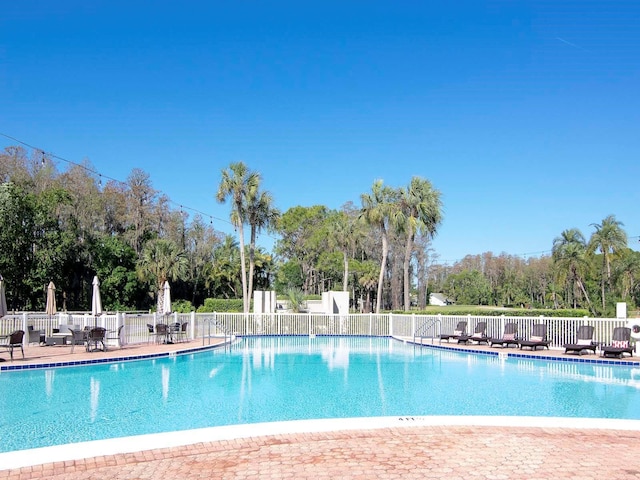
[162,260]
[344,236]
[628,273]
[236,183]
[421,211]
[610,239]
[221,275]
[378,210]
[260,214]
[569,254]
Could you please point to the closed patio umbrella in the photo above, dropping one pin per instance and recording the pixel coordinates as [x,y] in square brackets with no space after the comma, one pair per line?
[51,300]
[96,301]
[3,299]
[166,299]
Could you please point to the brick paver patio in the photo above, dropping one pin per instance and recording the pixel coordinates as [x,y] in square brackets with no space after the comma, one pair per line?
[419,452]
[454,453]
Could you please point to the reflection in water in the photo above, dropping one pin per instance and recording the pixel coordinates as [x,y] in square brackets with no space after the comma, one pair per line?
[49,377]
[95,397]
[336,356]
[165,382]
[383,401]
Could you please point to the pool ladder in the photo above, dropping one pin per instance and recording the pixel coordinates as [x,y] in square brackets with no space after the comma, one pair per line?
[219,327]
[428,325]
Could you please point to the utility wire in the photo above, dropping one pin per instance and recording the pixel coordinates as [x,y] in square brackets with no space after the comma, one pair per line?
[101,176]
[185,207]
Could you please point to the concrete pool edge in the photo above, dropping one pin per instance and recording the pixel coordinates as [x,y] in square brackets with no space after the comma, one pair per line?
[123,445]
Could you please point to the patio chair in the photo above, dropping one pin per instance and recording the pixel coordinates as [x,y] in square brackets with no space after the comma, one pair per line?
[181,334]
[35,336]
[95,337]
[162,333]
[77,337]
[584,341]
[457,333]
[538,338]
[509,337]
[479,334]
[119,336]
[14,340]
[152,333]
[620,343]
[174,331]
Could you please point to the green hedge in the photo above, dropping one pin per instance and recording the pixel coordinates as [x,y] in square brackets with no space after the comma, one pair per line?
[221,305]
[512,312]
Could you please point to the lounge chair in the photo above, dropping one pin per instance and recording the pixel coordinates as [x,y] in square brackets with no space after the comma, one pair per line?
[14,340]
[538,338]
[620,343]
[479,334]
[457,333]
[509,337]
[584,341]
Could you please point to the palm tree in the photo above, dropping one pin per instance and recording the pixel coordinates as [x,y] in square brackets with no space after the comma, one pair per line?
[609,238]
[236,183]
[628,273]
[221,275]
[367,280]
[569,254]
[378,210]
[161,260]
[260,214]
[421,211]
[344,236]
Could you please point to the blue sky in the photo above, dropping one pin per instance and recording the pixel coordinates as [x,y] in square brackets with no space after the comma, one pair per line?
[525,115]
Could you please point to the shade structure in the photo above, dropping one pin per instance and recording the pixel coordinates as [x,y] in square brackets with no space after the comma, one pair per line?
[51,299]
[96,301]
[166,299]
[3,298]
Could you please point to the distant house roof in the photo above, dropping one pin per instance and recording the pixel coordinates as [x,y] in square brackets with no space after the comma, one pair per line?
[440,298]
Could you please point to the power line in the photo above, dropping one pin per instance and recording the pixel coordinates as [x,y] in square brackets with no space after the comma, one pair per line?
[101,176]
[521,255]
[212,217]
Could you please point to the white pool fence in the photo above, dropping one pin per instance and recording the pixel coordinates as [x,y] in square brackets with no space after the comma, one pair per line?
[209,325]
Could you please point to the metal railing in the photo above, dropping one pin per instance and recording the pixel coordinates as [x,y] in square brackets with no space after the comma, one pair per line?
[560,330]
[425,327]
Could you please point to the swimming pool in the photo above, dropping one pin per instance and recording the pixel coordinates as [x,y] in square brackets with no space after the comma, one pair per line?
[268,379]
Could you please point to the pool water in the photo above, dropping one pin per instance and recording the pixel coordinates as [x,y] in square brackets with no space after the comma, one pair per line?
[267,379]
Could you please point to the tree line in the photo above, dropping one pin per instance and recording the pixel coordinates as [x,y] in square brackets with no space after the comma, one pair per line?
[592,274]
[67,226]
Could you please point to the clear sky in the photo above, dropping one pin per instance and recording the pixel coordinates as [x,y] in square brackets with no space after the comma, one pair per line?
[524,114]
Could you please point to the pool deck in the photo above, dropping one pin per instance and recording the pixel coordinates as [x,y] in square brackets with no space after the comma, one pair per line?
[386,448]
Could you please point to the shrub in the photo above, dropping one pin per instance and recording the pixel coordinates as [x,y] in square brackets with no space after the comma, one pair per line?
[182,306]
[511,312]
[221,305]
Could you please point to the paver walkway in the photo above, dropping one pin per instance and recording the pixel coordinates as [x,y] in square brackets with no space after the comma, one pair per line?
[454,453]
[419,452]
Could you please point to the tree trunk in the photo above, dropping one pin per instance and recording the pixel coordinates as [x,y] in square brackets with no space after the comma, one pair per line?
[345,276]
[383,264]
[252,262]
[405,270]
[243,269]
